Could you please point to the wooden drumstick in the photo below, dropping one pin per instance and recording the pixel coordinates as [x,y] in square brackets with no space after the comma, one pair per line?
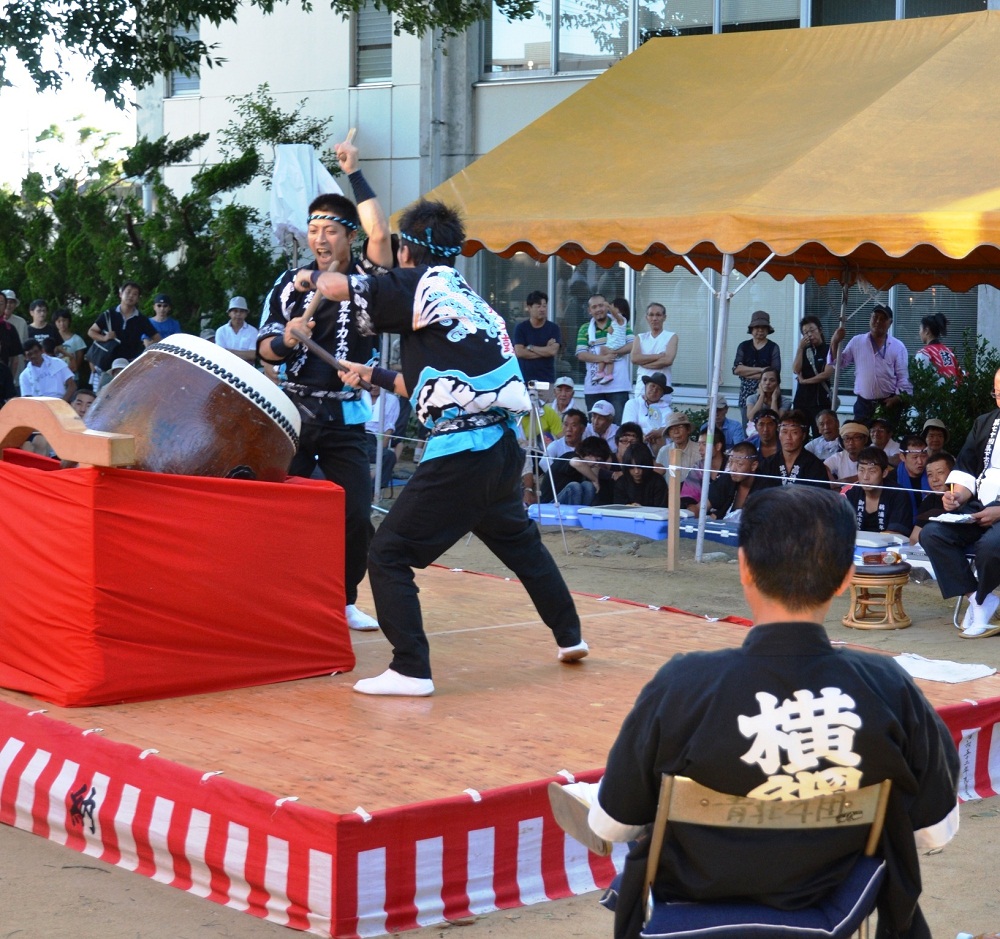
[319,351]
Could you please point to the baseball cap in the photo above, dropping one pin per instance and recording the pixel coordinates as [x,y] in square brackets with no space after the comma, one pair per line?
[162,298]
[564,381]
[238,303]
[119,363]
[605,408]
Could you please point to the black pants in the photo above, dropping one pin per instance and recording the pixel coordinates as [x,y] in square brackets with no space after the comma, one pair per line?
[946,546]
[342,455]
[446,499]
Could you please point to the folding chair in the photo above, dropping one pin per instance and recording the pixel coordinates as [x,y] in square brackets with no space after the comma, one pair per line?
[841,913]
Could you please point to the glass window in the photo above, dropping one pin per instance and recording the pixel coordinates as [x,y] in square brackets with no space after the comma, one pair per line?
[179,84]
[506,283]
[838,12]
[746,15]
[519,46]
[373,34]
[574,287]
[962,310]
[674,18]
[593,34]
[914,9]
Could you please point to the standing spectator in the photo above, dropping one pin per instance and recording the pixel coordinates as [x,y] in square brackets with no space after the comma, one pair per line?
[125,323]
[70,347]
[11,348]
[935,434]
[879,360]
[651,409]
[593,349]
[843,465]
[753,356]
[238,336]
[564,390]
[934,353]
[876,508]
[827,443]
[45,376]
[731,431]
[768,396]
[654,351]
[162,319]
[812,368]
[537,341]
[10,305]
[40,328]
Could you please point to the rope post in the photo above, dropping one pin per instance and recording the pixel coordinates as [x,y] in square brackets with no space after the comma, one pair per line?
[674,509]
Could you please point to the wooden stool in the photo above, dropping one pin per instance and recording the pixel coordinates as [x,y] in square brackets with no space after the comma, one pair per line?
[877,597]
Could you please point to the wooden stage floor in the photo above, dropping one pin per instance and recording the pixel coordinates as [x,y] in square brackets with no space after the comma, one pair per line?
[505,711]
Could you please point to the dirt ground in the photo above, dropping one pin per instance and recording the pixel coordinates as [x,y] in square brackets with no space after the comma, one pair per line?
[50,891]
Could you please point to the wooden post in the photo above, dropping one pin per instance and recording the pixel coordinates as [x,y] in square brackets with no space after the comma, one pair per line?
[674,510]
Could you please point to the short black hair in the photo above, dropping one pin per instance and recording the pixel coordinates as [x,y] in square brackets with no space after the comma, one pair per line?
[798,543]
[942,456]
[127,284]
[912,440]
[536,296]
[575,412]
[745,448]
[936,324]
[30,344]
[629,427]
[766,412]
[37,303]
[82,390]
[814,320]
[426,226]
[595,447]
[62,314]
[874,455]
[336,204]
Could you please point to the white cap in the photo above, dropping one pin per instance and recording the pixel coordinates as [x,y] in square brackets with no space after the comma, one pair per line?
[238,303]
[564,381]
[606,408]
[119,363]
[10,295]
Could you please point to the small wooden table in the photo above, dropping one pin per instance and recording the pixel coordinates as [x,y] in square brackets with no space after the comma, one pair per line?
[877,597]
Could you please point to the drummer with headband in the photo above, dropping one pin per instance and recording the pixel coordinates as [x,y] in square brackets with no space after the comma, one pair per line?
[466,388]
[333,414]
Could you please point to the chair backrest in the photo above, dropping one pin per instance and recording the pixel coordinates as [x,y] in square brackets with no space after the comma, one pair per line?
[684,800]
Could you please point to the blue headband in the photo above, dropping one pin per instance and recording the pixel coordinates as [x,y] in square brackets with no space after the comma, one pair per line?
[347,223]
[429,244]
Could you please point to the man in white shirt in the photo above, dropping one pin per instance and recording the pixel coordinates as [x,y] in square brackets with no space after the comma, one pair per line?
[843,465]
[378,432]
[45,376]
[238,336]
[827,444]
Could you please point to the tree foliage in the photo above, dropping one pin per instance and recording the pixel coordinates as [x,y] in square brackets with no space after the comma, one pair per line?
[73,239]
[129,42]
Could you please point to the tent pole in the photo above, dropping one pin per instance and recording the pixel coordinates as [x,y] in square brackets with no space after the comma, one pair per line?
[835,395]
[713,399]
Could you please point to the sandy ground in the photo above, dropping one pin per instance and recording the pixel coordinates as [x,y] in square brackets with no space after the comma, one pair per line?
[50,891]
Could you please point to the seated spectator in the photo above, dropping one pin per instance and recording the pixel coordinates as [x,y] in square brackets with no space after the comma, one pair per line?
[590,466]
[911,474]
[827,444]
[628,434]
[651,410]
[638,484]
[678,430]
[45,376]
[876,508]
[602,421]
[881,436]
[117,367]
[843,466]
[793,463]
[766,438]
[691,486]
[378,431]
[554,466]
[238,336]
[768,395]
[82,399]
[939,465]
[728,493]
[563,392]
[935,435]
[540,427]
[731,431]
[756,721]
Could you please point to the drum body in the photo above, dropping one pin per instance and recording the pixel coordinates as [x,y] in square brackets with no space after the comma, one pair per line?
[199,410]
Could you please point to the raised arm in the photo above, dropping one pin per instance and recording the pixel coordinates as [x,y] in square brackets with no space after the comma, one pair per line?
[373,219]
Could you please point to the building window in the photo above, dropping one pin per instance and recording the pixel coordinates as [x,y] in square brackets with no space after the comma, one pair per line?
[593,35]
[181,85]
[914,9]
[520,46]
[839,12]
[373,62]
[745,15]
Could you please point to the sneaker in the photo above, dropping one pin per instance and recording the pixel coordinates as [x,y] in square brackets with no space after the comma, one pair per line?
[574,653]
[570,813]
[359,620]
[392,683]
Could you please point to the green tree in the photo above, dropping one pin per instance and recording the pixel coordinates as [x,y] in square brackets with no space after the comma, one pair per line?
[127,42]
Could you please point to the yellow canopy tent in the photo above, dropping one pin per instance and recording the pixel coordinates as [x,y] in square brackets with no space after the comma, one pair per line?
[873,146]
